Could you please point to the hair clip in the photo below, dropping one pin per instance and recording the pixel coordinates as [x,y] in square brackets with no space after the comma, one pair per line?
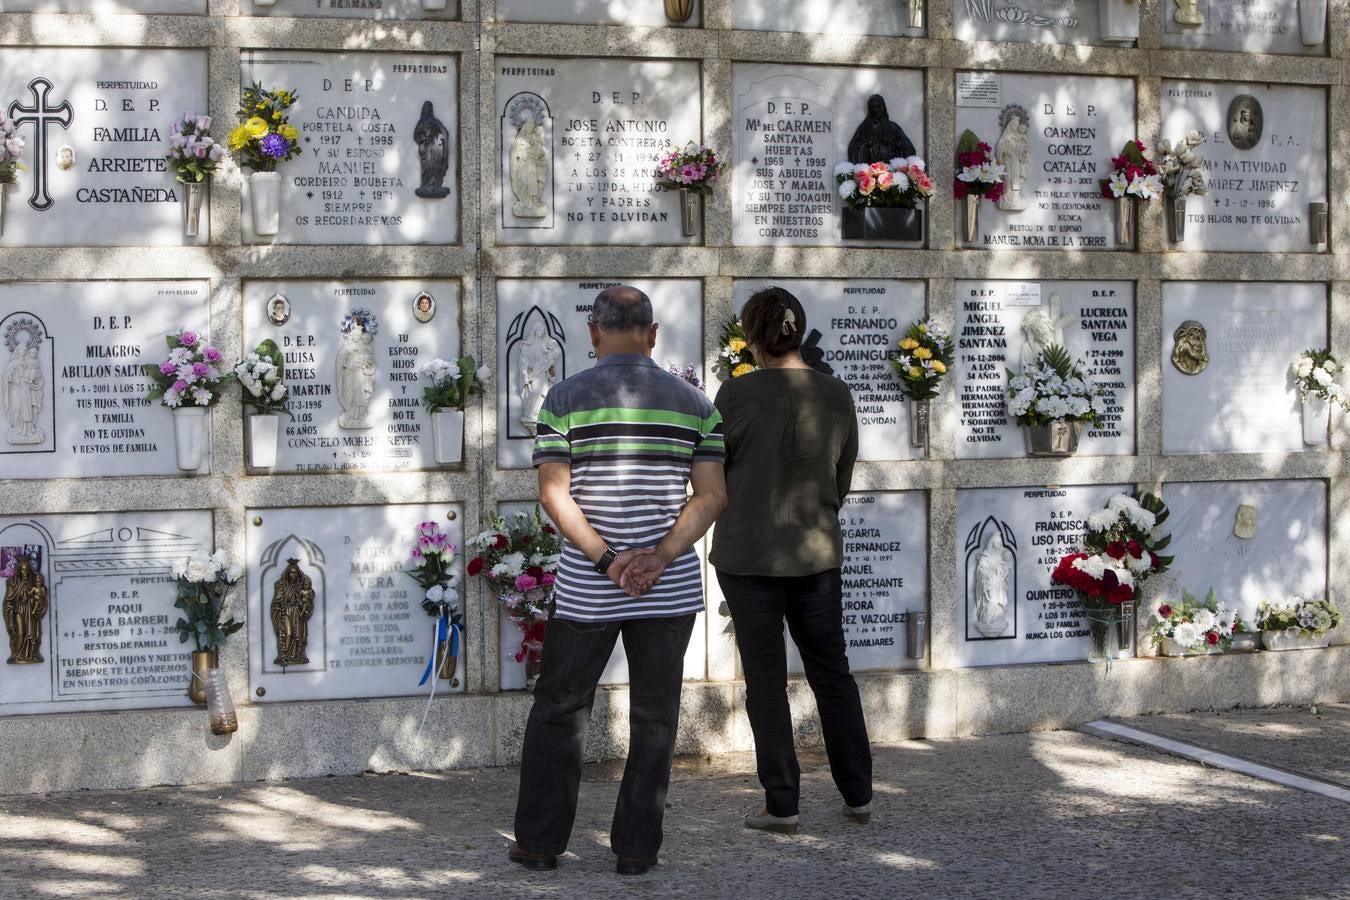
[789,322]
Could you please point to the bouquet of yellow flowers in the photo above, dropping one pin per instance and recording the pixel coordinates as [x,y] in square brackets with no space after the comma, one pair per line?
[264,138]
[926,353]
[735,358]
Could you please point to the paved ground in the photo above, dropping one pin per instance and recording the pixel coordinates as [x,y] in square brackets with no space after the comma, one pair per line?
[1056,814]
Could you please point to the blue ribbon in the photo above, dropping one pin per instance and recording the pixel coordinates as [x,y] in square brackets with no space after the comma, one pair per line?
[442,627]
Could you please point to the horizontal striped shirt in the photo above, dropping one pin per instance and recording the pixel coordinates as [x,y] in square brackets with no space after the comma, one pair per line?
[631,432]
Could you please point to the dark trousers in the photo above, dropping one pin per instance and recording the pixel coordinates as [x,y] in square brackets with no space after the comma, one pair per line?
[813,608]
[575,654]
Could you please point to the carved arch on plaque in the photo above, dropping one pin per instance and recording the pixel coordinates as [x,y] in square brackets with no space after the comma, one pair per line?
[519,107]
[520,327]
[977,541]
[270,567]
[22,330]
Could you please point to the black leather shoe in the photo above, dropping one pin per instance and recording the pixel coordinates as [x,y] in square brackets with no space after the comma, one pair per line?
[535,861]
[628,865]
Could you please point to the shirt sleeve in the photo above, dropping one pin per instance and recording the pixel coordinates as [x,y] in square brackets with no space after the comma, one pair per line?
[843,470]
[711,445]
[552,443]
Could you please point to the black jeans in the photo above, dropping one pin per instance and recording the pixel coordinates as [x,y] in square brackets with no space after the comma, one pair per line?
[575,654]
[813,607]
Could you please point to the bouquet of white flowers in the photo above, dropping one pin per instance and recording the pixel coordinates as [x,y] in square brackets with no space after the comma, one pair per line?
[1315,376]
[204,581]
[1302,618]
[1181,169]
[1195,627]
[260,374]
[1054,389]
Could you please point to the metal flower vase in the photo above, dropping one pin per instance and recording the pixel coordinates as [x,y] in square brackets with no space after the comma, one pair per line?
[918,423]
[449,661]
[1176,219]
[679,11]
[691,207]
[916,13]
[972,220]
[4,194]
[1057,439]
[1125,211]
[202,662]
[194,197]
[1125,630]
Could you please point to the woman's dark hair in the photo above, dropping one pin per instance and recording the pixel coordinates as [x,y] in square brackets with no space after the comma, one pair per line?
[773,321]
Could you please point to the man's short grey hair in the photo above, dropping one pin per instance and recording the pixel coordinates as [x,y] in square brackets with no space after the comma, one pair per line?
[621,308]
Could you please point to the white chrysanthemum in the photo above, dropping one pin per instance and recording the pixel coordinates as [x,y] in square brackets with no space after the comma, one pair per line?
[1303,367]
[1138,565]
[1101,520]
[1321,376]
[844,168]
[435,593]
[1204,620]
[1187,634]
[847,188]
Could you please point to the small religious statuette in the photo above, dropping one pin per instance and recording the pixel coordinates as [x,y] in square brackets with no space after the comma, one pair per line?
[24,606]
[24,383]
[278,309]
[877,138]
[1041,329]
[356,369]
[538,369]
[1245,121]
[1011,151]
[992,588]
[1189,354]
[529,170]
[424,307]
[433,152]
[1188,13]
[292,606]
[1244,524]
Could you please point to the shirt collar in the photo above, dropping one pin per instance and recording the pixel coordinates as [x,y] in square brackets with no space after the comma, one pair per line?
[625,359]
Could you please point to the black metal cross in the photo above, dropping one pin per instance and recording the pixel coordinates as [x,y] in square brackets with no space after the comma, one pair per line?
[40,115]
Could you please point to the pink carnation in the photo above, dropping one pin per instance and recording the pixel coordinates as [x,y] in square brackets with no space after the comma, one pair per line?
[547,580]
[211,354]
[200,369]
[188,338]
[526,582]
[167,367]
[180,385]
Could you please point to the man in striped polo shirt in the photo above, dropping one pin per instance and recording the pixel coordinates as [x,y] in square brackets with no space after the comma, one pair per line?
[617,448]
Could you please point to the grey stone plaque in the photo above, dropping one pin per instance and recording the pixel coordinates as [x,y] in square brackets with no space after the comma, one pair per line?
[1247,26]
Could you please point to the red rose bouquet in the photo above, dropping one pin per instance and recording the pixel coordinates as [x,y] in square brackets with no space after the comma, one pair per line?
[519,558]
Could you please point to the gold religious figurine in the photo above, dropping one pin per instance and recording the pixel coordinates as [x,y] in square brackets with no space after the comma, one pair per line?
[25,605]
[292,605]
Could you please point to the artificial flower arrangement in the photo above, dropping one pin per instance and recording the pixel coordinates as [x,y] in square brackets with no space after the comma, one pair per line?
[902,182]
[976,172]
[1130,523]
[11,148]
[925,354]
[1053,389]
[264,137]
[433,558]
[686,373]
[519,557]
[1315,372]
[1181,169]
[1103,582]
[260,376]
[693,168]
[1133,175]
[193,375]
[735,358]
[1194,626]
[204,581]
[1301,618]
[193,154]
[452,384]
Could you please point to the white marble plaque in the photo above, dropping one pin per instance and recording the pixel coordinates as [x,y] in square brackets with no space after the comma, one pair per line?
[96,125]
[541,328]
[358,177]
[1097,322]
[108,636]
[368,635]
[578,143]
[1075,124]
[885,576]
[1029,21]
[1258,197]
[852,327]
[645,13]
[1250,26]
[1011,539]
[384,10]
[513,673]
[1287,555]
[327,432]
[884,17]
[71,357]
[792,126]
[1244,399]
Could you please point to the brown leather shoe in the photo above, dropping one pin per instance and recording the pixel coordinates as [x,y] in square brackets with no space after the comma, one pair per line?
[631,865]
[535,861]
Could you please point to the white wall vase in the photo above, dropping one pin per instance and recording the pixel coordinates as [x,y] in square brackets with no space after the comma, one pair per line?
[1278,640]
[194,198]
[262,440]
[265,195]
[1312,22]
[447,430]
[189,432]
[1119,20]
[1316,419]
[433,5]
[264,2]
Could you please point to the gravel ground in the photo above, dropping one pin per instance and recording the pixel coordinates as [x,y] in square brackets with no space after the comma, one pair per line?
[1054,814]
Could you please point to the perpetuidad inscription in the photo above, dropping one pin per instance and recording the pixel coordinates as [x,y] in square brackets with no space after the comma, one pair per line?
[106,637]
[1242,399]
[71,357]
[884,17]
[384,10]
[1265,152]
[338,583]
[352,352]
[852,328]
[96,129]
[1007,611]
[791,126]
[1066,131]
[542,338]
[998,326]
[380,139]
[579,141]
[1250,26]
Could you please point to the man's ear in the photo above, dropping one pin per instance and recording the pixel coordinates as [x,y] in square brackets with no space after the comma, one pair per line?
[651,336]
